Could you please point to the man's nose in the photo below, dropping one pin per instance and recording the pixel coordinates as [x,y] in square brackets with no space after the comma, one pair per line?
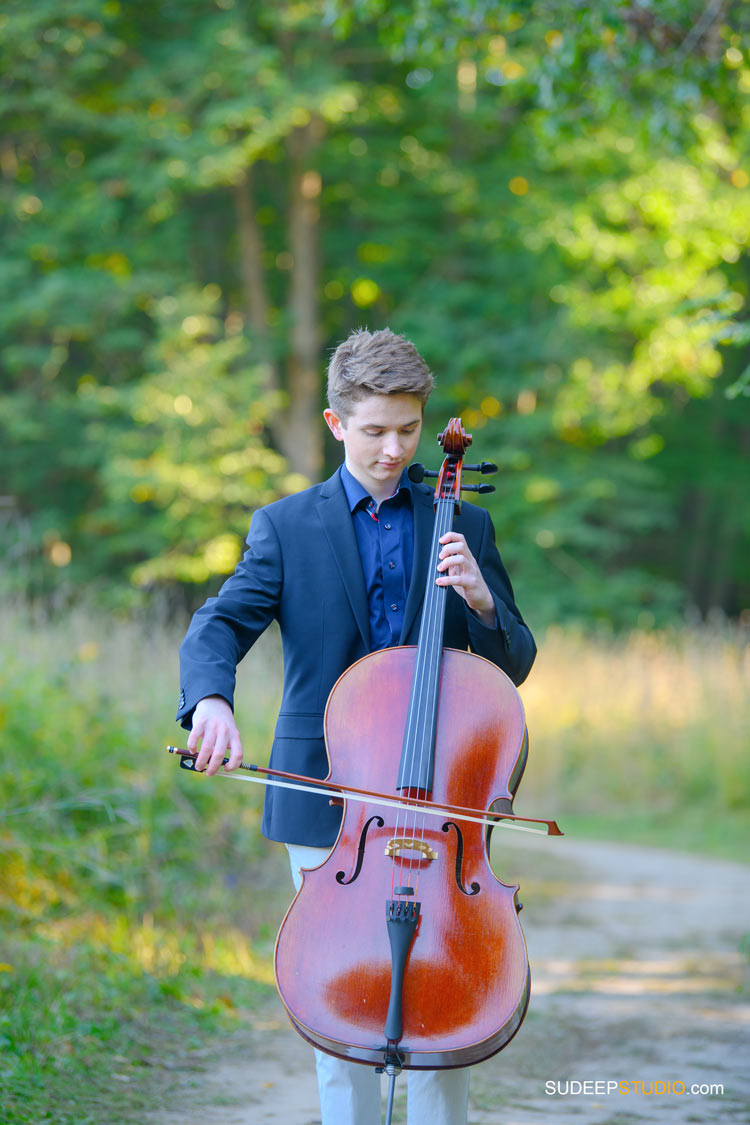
[392,446]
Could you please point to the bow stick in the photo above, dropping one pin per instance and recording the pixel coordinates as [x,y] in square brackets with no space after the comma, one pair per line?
[284,780]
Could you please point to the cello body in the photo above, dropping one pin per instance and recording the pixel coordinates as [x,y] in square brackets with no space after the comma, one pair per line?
[465,986]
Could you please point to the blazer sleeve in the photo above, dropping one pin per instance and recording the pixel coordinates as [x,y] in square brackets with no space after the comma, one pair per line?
[226,627]
[509,644]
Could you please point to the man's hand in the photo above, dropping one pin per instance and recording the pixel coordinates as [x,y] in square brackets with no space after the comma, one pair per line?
[460,570]
[213,722]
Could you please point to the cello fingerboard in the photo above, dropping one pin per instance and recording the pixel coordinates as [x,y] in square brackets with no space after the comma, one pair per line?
[418,749]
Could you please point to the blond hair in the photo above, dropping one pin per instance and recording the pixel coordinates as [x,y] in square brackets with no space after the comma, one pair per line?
[375,363]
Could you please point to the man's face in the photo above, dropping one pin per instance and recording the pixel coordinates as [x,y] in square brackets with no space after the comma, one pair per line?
[380,438]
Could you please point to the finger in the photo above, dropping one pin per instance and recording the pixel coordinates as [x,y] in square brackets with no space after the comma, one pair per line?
[219,753]
[456,549]
[235,752]
[454,582]
[215,764]
[204,755]
[196,734]
[210,742]
[452,560]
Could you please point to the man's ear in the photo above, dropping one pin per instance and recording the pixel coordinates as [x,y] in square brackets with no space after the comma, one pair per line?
[334,423]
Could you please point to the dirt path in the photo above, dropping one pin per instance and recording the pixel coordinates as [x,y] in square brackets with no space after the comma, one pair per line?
[638,960]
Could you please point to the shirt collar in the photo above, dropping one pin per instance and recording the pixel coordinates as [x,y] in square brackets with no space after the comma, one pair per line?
[356,492]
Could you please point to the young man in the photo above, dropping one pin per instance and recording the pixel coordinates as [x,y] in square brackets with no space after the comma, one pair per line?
[342,567]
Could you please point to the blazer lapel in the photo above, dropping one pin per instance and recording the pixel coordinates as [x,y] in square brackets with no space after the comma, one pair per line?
[424,522]
[333,510]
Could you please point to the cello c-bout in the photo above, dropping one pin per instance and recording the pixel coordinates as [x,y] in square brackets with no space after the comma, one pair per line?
[404,946]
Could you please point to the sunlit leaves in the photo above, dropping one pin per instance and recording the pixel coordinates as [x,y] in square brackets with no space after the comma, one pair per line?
[193,463]
[551,200]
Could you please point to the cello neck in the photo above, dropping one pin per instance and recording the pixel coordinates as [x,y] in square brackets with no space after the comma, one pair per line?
[418,750]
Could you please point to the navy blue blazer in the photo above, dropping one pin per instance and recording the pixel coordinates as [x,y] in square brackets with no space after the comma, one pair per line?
[302,568]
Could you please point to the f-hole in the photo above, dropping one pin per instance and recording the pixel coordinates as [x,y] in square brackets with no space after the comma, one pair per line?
[341,875]
[460,860]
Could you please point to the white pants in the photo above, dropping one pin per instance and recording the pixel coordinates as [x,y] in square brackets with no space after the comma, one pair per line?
[350,1092]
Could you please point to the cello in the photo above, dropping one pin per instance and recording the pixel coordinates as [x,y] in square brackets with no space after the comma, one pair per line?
[441,979]
[421,961]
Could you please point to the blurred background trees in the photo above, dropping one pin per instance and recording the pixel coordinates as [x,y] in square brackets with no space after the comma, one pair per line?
[200,199]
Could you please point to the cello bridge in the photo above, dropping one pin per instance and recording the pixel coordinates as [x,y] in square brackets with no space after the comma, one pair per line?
[399,844]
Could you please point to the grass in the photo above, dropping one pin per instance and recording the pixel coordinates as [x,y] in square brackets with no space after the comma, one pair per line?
[89,1035]
[139,904]
[643,738]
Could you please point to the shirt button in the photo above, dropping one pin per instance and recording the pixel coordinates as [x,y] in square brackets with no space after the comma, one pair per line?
[387,526]
[394,607]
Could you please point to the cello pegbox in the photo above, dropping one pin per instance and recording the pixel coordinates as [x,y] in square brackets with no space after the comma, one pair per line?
[454,439]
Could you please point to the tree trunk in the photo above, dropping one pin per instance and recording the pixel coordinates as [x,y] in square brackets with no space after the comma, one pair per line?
[296,429]
[303,434]
[253,278]
[697,522]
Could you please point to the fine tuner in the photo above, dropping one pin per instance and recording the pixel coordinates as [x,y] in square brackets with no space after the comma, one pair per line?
[417,473]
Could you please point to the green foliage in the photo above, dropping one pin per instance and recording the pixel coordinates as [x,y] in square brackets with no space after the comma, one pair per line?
[84,1034]
[79,704]
[190,462]
[129,929]
[553,203]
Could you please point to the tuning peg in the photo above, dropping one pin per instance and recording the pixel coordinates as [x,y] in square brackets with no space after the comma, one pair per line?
[477,488]
[485,467]
[417,472]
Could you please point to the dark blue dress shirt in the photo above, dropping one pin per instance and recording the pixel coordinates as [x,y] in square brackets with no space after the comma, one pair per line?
[386,547]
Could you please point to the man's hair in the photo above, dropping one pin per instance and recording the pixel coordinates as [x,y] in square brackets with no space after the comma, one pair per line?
[375,363]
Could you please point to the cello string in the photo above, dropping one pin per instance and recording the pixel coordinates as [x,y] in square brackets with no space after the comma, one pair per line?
[407,756]
[424,678]
[408,743]
[421,681]
[415,721]
[439,607]
[405,765]
[434,653]
[421,676]
[419,740]
[430,671]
